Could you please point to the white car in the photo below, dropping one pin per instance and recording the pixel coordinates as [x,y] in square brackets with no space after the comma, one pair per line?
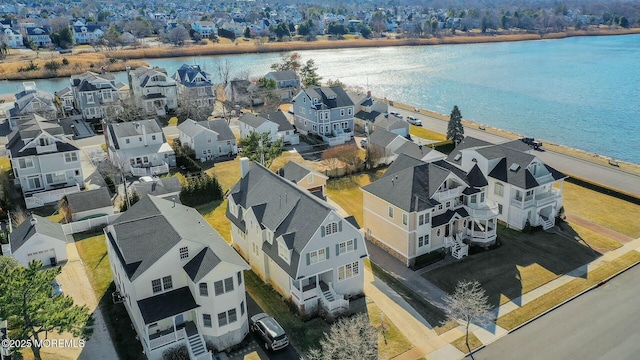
[364,142]
[414,120]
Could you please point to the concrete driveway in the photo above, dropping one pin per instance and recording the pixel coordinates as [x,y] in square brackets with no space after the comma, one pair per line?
[75,283]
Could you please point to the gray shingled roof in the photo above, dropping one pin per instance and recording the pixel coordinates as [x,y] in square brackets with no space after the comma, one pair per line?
[219,126]
[293,171]
[383,138]
[187,73]
[414,150]
[201,264]
[22,233]
[330,97]
[252,120]
[30,129]
[89,200]
[466,143]
[134,128]
[139,246]
[166,305]
[280,119]
[284,75]
[288,210]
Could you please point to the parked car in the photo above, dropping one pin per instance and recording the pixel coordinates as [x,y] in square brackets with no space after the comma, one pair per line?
[269,331]
[364,142]
[532,142]
[414,120]
[57,287]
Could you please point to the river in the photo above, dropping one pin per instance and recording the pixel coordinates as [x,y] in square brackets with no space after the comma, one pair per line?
[583,92]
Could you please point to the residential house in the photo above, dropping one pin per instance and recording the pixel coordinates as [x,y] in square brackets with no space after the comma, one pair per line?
[11,37]
[243,93]
[128,38]
[386,146]
[296,242]
[416,208]
[208,139]
[195,85]
[372,115]
[87,34]
[326,112]
[288,82]
[524,187]
[95,95]
[37,238]
[205,28]
[154,91]
[276,124]
[31,101]
[139,147]
[39,35]
[65,98]
[310,180]
[165,188]
[45,164]
[184,288]
[89,203]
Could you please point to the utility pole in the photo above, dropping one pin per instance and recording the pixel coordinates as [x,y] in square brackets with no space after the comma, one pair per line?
[261,152]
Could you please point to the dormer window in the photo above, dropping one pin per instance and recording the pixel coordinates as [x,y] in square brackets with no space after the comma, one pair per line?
[283,252]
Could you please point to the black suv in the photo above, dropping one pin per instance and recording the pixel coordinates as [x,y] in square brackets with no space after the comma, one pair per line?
[269,331]
[532,142]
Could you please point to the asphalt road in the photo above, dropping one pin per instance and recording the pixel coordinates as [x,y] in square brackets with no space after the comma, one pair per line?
[602,324]
[609,176]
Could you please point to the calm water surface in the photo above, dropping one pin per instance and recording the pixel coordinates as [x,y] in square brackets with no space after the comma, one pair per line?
[583,92]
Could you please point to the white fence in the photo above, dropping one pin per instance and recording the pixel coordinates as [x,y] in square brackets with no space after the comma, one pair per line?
[88,224]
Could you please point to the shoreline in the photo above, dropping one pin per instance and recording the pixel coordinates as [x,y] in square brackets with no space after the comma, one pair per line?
[117,60]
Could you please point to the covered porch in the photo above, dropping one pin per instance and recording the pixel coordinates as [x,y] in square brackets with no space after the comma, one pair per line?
[317,291]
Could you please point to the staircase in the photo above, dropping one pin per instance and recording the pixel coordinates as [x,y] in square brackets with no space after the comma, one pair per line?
[328,295]
[196,345]
[458,248]
[547,223]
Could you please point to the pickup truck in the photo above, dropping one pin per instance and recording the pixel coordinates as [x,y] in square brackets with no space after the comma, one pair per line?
[532,142]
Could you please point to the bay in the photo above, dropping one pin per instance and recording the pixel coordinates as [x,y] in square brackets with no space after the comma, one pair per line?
[583,92]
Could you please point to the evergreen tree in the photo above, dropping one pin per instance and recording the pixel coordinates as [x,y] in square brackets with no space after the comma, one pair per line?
[247,32]
[256,145]
[309,74]
[455,130]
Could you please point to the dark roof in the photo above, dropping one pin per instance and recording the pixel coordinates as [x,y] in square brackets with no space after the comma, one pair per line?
[136,231]
[201,264]
[383,138]
[252,120]
[280,119]
[167,305]
[29,130]
[89,200]
[442,219]
[25,231]
[414,150]
[187,73]
[287,210]
[367,116]
[390,123]
[466,143]
[221,127]
[293,171]
[330,97]
[283,75]
[352,220]
[158,187]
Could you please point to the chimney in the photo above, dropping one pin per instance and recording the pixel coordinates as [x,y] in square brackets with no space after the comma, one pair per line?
[244,166]
[33,221]
[369,94]
[174,201]
[144,136]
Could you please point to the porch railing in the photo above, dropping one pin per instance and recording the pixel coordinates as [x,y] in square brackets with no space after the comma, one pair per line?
[142,171]
[488,210]
[338,302]
[167,339]
[447,194]
[44,197]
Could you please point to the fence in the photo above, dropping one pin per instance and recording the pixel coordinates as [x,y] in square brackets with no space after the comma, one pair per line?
[88,224]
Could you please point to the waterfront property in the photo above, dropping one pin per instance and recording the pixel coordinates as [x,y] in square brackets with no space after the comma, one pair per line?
[185,287]
[195,85]
[153,90]
[276,124]
[31,101]
[416,208]
[326,112]
[526,190]
[37,238]
[386,146]
[46,166]
[288,82]
[139,147]
[295,241]
[95,95]
[208,139]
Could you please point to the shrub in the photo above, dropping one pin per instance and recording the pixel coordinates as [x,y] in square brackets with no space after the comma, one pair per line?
[133,198]
[52,65]
[65,61]
[176,353]
[110,184]
[201,190]
[113,60]
[30,67]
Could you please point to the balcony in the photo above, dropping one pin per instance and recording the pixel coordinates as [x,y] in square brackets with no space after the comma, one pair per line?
[46,148]
[150,170]
[537,200]
[486,210]
[445,195]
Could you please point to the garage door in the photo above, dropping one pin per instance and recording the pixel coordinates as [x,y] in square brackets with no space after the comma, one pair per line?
[44,256]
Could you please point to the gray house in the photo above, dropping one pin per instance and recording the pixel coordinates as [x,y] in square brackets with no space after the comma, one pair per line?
[326,112]
[208,139]
[288,82]
[153,90]
[194,84]
[95,95]
[31,101]
[90,203]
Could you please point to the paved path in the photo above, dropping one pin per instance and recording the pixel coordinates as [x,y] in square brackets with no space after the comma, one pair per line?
[622,238]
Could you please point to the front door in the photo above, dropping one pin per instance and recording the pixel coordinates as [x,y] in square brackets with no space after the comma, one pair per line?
[179,320]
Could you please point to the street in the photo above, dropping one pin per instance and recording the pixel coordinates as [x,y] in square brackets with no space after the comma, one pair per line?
[601,324]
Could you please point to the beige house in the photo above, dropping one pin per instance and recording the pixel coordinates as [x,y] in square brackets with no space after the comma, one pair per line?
[312,181]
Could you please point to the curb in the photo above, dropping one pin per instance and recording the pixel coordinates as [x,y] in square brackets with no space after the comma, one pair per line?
[555,307]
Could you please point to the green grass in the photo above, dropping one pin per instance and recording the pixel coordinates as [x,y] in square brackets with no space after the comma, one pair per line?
[215,214]
[346,191]
[567,291]
[396,343]
[421,132]
[523,263]
[92,249]
[461,344]
[605,210]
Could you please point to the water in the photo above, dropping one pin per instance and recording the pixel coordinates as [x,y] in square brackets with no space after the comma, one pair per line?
[582,92]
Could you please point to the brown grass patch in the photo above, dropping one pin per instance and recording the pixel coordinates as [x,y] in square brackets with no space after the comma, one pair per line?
[395,343]
[461,344]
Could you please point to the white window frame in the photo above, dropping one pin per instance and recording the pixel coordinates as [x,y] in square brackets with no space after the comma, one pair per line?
[283,252]
[71,156]
[184,253]
[498,189]
[317,256]
[25,163]
[348,271]
[206,320]
[60,177]
[346,246]
[203,289]
[405,219]
[391,211]
[331,228]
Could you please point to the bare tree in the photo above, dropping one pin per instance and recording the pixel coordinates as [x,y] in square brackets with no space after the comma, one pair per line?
[18,216]
[224,69]
[470,304]
[331,158]
[178,36]
[349,154]
[349,338]
[189,108]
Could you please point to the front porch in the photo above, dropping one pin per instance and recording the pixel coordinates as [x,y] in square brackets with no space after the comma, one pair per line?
[41,198]
[147,169]
[317,291]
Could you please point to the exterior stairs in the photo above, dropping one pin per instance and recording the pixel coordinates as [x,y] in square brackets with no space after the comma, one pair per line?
[196,345]
[328,295]
[458,248]
[547,223]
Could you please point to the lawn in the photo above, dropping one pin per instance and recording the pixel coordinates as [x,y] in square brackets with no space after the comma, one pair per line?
[92,249]
[522,263]
[593,239]
[215,214]
[395,343]
[346,191]
[461,344]
[605,210]
[567,291]
[227,173]
[421,132]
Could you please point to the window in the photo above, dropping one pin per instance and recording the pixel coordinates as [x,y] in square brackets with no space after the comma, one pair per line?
[448,204]
[405,219]
[167,283]
[184,253]
[24,163]
[222,319]
[223,286]
[440,207]
[153,137]
[70,157]
[56,178]
[206,320]
[139,138]
[239,277]
[498,189]
[350,111]
[310,179]
[34,182]
[423,219]
[242,308]
[500,209]
[156,285]
[127,141]
[233,317]
[423,241]
[391,212]
[346,246]
[317,256]
[331,228]
[90,99]
[44,141]
[439,232]
[341,112]
[283,252]
[204,289]
[348,271]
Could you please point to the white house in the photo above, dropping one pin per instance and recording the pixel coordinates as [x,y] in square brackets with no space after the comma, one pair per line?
[39,35]
[208,139]
[11,37]
[154,91]
[90,203]
[276,124]
[524,187]
[205,28]
[45,164]
[30,101]
[326,112]
[295,241]
[195,85]
[37,238]
[387,146]
[185,287]
[139,147]
[87,34]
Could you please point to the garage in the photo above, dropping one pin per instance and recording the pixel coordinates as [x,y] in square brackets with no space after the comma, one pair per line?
[46,256]
[38,238]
